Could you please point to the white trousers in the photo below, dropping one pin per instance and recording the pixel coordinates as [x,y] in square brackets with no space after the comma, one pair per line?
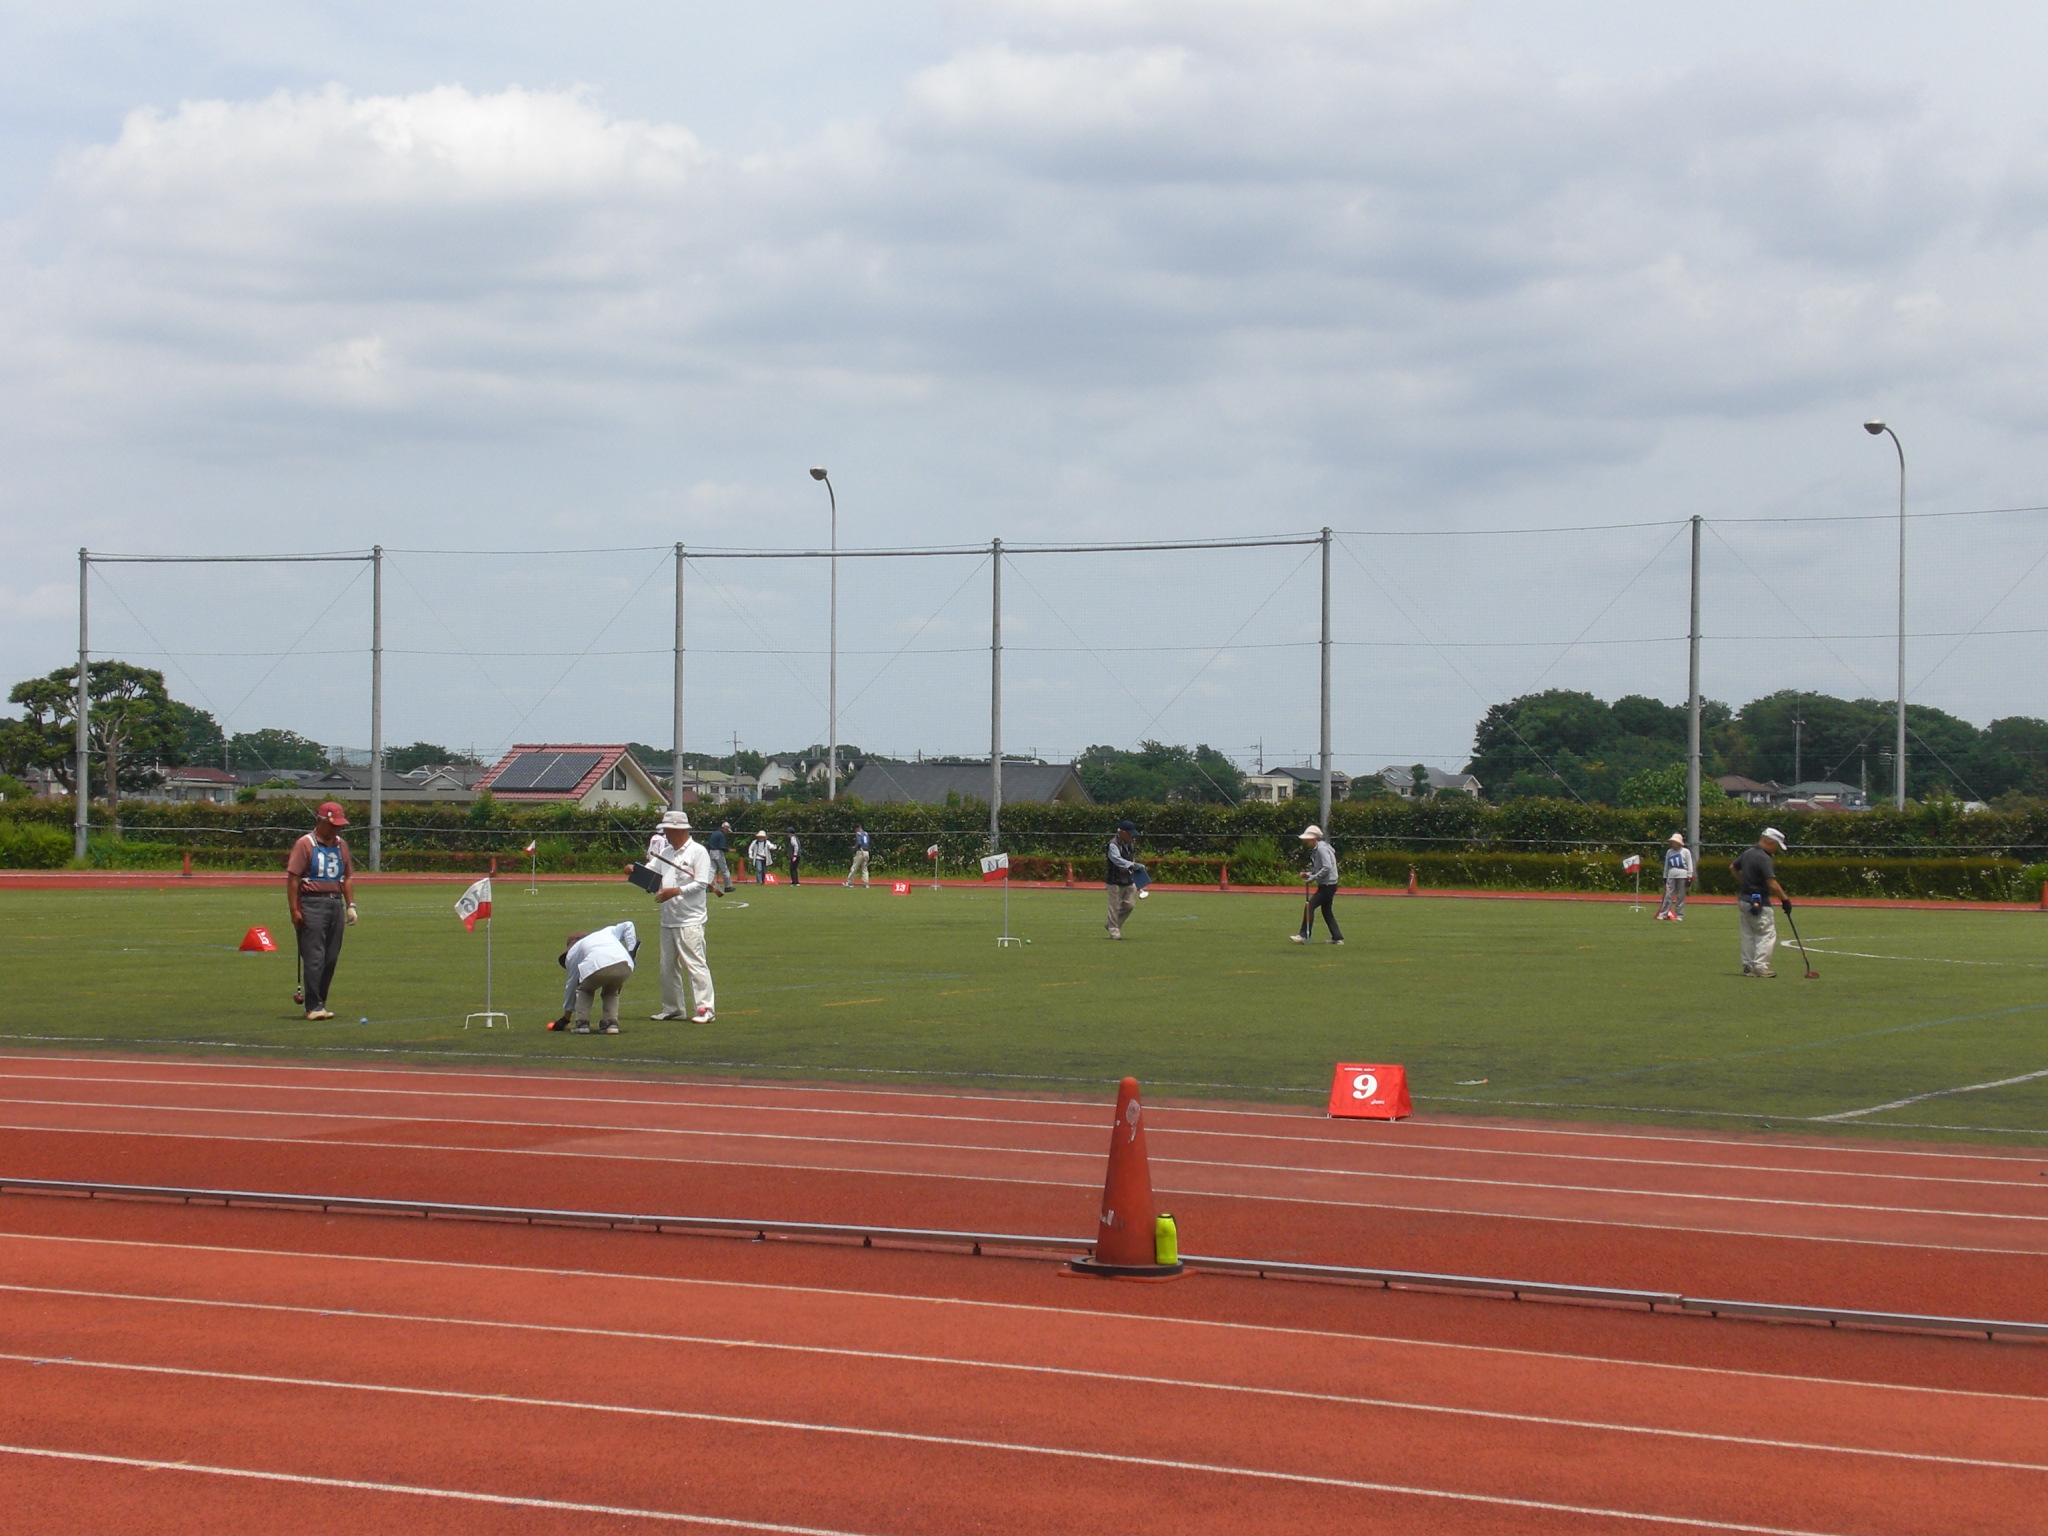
[1759,937]
[682,949]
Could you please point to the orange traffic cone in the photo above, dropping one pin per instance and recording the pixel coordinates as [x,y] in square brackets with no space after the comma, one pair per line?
[1126,1237]
[257,941]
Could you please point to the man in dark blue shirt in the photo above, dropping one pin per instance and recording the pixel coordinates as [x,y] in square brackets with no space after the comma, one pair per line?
[716,845]
[1756,882]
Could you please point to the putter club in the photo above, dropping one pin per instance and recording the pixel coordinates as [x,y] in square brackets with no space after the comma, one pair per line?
[1811,973]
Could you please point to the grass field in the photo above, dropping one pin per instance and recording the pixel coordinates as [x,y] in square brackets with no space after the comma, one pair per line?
[1584,1010]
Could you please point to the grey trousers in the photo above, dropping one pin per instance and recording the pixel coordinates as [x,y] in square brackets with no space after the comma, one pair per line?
[1121,899]
[721,875]
[605,982]
[320,944]
[1674,897]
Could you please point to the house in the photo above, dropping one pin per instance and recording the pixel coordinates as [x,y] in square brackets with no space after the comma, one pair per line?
[712,786]
[1295,783]
[1825,795]
[587,774]
[1749,791]
[880,783]
[1400,778]
[184,786]
[774,776]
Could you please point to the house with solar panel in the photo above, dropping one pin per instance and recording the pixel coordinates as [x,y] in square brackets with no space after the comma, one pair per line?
[575,773]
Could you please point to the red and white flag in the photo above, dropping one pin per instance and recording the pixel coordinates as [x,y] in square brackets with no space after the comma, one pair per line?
[473,904]
[531,846]
[996,867]
[932,852]
[1632,863]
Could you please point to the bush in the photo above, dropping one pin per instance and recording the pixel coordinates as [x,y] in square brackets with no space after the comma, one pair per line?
[26,845]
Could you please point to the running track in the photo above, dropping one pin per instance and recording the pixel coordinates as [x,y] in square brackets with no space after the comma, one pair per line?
[174,1369]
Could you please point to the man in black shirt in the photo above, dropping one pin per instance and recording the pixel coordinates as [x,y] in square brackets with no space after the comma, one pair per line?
[1756,878]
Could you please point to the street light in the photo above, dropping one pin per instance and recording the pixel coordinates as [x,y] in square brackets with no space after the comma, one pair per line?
[819,472]
[1874,428]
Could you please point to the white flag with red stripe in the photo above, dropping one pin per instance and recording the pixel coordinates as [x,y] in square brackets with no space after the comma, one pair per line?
[1632,863]
[996,867]
[474,903]
[532,845]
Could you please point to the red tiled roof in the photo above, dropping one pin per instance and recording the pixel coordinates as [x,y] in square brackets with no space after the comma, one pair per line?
[608,755]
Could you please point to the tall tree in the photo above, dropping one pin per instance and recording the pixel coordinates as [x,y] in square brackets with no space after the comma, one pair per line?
[425,754]
[1160,774]
[133,725]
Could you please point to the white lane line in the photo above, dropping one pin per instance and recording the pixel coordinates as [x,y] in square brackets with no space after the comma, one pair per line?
[414,1490]
[1939,1093]
[544,1072]
[970,1443]
[1090,1157]
[1030,1308]
[990,1178]
[1168,1132]
[1597,1426]
[1857,954]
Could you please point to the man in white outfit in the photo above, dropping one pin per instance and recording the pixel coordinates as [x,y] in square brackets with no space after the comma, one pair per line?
[686,875]
[598,965]
[1679,870]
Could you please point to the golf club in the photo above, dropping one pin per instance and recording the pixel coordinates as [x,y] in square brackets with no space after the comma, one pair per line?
[1811,973]
[1308,903]
[299,980]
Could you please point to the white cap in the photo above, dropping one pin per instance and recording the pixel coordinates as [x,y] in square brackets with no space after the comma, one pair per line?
[1677,837]
[675,819]
[1312,835]
[1777,837]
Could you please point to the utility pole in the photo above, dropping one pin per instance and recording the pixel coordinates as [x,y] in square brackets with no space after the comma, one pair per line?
[376,707]
[1692,707]
[1899,768]
[675,764]
[1798,750]
[832,687]
[995,698]
[1326,683]
[81,780]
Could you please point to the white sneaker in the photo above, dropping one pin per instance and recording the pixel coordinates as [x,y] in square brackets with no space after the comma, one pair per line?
[660,1018]
[701,1016]
[1296,938]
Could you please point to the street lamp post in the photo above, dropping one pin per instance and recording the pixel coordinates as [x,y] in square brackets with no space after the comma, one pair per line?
[1899,765]
[819,472]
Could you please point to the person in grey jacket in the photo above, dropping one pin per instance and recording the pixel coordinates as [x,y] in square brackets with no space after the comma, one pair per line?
[1121,877]
[1322,877]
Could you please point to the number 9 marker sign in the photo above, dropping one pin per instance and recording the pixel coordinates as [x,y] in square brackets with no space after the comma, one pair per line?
[1361,1092]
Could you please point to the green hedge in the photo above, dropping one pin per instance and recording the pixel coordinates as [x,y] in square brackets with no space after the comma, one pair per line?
[1931,850]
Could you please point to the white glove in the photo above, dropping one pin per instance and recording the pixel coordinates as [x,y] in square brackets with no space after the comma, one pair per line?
[351,919]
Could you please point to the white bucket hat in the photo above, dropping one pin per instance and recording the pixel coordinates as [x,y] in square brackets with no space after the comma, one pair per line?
[1312,835]
[1774,835]
[1677,837]
[675,819]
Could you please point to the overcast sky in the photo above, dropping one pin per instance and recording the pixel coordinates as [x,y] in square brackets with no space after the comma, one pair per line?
[466,276]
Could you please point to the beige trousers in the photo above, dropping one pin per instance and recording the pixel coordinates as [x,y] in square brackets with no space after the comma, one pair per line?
[605,983]
[860,868]
[1759,937]
[682,950]
[1121,899]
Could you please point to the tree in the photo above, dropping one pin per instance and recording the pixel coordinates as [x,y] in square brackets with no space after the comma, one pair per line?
[1160,774]
[1565,743]
[274,748]
[424,754]
[1656,787]
[1418,781]
[132,725]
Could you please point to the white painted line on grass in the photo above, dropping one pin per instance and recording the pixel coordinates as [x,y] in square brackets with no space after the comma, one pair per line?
[1938,1093]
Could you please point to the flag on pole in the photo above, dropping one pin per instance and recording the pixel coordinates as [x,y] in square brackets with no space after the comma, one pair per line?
[1632,863]
[474,903]
[996,867]
[531,846]
[932,852]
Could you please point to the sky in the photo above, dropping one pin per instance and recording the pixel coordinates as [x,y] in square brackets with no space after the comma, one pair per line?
[533,279]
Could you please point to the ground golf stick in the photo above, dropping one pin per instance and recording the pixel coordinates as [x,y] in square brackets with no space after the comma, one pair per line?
[1811,973]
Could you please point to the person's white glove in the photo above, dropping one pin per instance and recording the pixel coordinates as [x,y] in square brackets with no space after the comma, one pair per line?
[351,918]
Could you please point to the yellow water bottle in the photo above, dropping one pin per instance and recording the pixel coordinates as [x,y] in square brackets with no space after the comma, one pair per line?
[1165,1241]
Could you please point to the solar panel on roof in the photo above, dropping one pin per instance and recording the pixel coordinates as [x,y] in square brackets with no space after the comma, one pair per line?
[547,772]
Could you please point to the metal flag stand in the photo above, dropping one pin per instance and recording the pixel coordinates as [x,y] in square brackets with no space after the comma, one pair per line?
[1635,866]
[490,1017]
[1007,937]
[532,872]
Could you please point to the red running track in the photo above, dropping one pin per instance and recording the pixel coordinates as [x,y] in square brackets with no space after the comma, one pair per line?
[1871,1225]
[177,1369]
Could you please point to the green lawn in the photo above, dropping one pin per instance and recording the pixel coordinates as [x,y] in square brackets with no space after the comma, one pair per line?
[1584,1010]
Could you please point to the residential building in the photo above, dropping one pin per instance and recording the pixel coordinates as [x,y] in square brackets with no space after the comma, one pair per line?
[716,787]
[880,783]
[1825,795]
[184,786]
[588,774]
[1749,791]
[1400,778]
[1294,784]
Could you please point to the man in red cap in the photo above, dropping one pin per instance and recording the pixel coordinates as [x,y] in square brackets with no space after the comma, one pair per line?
[319,883]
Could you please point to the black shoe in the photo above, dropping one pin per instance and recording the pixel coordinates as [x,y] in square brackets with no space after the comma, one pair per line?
[562,1023]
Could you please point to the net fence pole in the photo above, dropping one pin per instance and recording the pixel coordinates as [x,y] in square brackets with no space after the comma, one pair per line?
[1899,792]
[1325,799]
[995,697]
[82,773]
[376,708]
[1692,707]
[675,767]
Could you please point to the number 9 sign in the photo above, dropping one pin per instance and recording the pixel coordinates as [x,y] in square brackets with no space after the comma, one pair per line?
[1362,1092]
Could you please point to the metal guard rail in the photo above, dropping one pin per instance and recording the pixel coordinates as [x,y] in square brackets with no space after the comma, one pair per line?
[977,1241]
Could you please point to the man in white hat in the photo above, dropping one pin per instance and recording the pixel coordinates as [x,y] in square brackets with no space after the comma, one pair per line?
[1678,874]
[1756,880]
[1321,875]
[686,875]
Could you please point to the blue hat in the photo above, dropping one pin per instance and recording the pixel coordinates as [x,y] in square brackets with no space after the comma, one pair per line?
[1127,826]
